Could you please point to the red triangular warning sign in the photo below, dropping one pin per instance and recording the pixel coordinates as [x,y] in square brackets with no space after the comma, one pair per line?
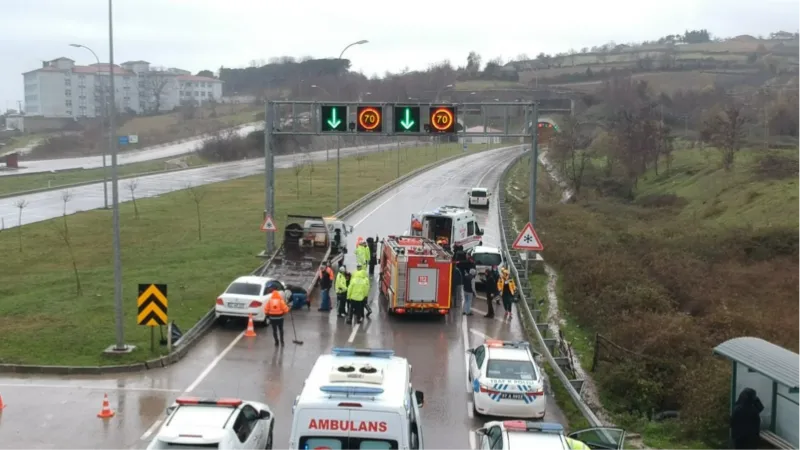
[528,240]
[268,225]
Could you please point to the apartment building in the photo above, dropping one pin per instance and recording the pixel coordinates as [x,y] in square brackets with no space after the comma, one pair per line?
[62,89]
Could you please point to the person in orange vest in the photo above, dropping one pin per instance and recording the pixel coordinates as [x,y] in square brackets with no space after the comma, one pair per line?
[325,284]
[275,309]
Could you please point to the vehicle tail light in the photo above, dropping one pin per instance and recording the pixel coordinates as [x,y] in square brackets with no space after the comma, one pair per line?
[349,405]
[255,304]
[400,310]
[219,301]
[486,389]
[443,311]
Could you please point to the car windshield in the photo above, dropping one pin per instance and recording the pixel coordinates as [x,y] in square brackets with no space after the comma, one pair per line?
[244,289]
[511,370]
[479,193]
[487,259]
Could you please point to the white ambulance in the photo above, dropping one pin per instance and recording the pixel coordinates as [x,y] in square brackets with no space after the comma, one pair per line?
[454,224]
[358,399]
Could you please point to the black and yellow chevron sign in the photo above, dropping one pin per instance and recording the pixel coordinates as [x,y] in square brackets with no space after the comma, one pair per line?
[152,304]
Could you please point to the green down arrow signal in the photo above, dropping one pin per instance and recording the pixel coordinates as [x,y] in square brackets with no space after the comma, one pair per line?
[333,121]
[407,123]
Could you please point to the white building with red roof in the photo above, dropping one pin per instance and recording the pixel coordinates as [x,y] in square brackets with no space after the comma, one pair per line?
[62,89]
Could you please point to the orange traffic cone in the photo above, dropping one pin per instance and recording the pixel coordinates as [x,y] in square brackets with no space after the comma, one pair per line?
[2,405]
[106,412]
[251,332]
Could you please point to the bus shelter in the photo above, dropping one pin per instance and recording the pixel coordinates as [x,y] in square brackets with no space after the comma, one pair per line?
[774,373]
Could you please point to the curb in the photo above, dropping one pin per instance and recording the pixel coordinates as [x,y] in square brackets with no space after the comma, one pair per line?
[202,327]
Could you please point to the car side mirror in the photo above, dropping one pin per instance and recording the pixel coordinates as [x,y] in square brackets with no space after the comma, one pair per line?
[350,229]
[471,351]
[420,396]
[264,415]
[480,232]
[170,410]
[481,432]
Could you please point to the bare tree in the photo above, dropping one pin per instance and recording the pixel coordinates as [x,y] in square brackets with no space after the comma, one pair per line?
[570,149]
[299,165]
[155,85]
[66,196]
[197,195]
[20,204]
[309,162]
[724,128]
[132,185]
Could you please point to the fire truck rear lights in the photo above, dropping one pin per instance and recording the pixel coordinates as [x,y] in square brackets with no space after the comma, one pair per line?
[200,401]
[376,352]
[400,310]
[443,312]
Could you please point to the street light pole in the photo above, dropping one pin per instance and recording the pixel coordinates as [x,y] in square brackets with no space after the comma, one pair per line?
[102,116]
[338,140]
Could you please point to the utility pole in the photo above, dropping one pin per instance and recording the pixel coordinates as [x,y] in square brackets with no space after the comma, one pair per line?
[120,347]
[269,175]
[534,165]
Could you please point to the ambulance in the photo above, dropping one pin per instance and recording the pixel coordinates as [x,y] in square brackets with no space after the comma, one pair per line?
[358,399]
[454,225]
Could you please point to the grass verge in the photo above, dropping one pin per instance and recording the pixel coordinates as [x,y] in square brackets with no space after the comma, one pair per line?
[45,322]
[21,183]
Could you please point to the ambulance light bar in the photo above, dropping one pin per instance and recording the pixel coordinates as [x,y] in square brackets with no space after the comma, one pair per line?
[200,401]
[525,425]
[374,352]
[351,390]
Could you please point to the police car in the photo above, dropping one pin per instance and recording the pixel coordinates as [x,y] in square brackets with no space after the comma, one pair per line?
[506,381]
[222,423]
[358,398]
[479,196]
[524,435]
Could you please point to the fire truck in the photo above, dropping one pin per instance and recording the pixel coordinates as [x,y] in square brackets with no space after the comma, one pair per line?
[416,275]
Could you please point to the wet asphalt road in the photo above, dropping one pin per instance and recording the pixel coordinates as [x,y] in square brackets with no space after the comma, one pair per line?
[47,205]
[47,410]
[134,156]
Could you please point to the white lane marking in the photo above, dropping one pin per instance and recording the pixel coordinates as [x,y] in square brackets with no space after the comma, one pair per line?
[380,206]
[92,388]
[470,410]
[483,335]
[473,444]
[465,340]
[484,313]
[491,169]
[151,430]
[197,381]
[353,334]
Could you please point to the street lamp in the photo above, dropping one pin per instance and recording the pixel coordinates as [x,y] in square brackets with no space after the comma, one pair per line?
[102,116]
[338,140]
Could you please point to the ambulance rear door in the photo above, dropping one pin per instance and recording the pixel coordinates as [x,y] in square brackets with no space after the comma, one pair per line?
[378,430]
[318,428]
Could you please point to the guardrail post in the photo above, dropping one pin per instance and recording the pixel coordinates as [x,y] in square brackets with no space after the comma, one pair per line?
[577,385]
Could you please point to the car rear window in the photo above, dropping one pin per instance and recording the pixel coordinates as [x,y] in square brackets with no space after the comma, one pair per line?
[244,289]
[188,446]
[479,194]
[511,370]
[487,259]
[340,443]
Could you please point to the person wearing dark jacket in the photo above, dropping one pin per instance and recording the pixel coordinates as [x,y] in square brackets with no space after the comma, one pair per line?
[490,285]
[325,284]
[458,281]
[746,420]
[372,244]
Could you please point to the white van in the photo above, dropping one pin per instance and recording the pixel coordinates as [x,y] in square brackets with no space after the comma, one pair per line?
[479,196]
[358,399]
[485,258]
[456,224]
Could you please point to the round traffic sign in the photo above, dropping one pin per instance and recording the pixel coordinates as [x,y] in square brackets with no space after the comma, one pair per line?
[369,119]
[442,119]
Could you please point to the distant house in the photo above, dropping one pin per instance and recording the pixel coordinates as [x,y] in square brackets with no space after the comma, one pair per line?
[480,139]
[783,36]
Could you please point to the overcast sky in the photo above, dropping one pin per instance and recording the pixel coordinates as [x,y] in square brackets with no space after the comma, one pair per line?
[205,34]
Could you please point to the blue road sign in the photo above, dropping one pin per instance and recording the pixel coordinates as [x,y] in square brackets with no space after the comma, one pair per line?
[123,140]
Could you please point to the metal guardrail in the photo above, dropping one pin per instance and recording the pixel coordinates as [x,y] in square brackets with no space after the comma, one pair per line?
[525,290]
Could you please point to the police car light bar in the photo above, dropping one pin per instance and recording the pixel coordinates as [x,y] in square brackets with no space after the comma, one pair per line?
[498,343]
[376,352]
[523,425]
[351,390]
[201,401]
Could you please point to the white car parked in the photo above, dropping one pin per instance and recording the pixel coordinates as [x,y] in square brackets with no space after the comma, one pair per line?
[523,435]
[479,197]
[485,258]
[223,423]
[506,381]
[248,295]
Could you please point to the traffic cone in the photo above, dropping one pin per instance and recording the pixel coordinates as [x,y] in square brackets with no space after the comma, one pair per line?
[251,332]
[106,412]
[2,405]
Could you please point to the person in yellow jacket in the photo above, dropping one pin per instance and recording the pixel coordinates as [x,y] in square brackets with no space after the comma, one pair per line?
[364,272]
[357,294]
[362,252]
[341,291]
[275,309]
[575,444]
[507,289]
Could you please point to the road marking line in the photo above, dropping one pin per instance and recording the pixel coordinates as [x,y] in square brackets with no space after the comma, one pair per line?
[470,411]
[353,334]
[151,430]
[483,335]
[198,380]
[93,388]
[473,444]
[355,225]
[465,340]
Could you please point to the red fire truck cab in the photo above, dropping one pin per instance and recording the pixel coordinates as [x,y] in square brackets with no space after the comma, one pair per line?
[416,275]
